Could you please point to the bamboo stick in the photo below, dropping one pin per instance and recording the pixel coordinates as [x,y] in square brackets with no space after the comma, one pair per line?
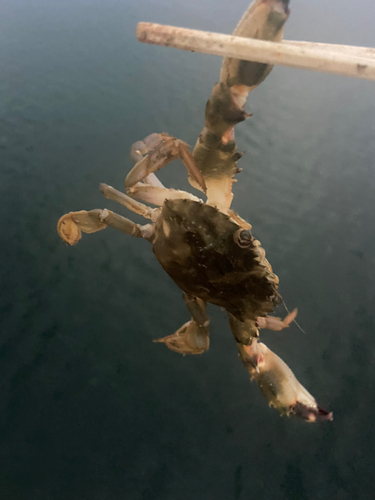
[367,52]
[358,62]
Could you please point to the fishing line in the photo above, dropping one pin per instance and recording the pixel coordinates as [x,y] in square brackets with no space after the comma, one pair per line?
[298,325]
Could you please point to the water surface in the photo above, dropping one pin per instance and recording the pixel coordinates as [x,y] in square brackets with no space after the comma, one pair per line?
[90,408]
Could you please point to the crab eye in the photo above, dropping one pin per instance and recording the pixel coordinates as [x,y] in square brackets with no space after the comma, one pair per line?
[243,238]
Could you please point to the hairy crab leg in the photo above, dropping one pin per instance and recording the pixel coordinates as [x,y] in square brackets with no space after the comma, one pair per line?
[279,384]
[168,149]
[71,225]
[193,336]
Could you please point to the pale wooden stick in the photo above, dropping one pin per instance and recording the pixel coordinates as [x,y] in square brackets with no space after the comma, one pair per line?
[353,50]
[315,57]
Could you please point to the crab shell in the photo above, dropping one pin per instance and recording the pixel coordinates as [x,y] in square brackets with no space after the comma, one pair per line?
[201,250]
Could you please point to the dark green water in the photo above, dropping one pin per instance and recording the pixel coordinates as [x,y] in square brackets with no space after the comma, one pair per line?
[90,408]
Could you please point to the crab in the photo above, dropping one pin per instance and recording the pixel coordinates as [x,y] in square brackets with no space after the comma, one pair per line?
[207,249]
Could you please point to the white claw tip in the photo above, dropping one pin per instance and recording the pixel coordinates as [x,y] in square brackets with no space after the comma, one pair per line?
[104,214]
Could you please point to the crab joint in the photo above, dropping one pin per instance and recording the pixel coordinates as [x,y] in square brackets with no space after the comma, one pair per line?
[168,149]
[279,385]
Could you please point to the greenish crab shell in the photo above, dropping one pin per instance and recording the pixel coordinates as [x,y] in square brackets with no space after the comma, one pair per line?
[209,255]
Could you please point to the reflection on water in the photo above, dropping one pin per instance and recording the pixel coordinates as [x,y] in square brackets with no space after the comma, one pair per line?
[90,407]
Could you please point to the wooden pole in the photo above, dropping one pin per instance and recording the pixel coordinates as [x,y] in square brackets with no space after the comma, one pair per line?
[358,62]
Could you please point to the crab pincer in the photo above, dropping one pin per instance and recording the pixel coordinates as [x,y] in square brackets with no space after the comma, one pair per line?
[279,384]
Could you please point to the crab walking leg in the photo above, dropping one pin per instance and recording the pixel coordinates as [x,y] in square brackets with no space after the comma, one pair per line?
[140,148]
[168,149]
[276,324]
[245,331]
[124,200]
[279,385]
[148,193]
[157,195]
[193,336]
[71,225]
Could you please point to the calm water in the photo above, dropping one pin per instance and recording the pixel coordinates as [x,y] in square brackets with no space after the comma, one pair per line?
[90,408]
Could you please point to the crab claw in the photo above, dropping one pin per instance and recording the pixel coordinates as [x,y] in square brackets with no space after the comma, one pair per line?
[71,225]
[279,384]
[189,339]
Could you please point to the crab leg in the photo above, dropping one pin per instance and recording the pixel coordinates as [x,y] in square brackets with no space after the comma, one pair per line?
[115,195]
[152,180]
[141,148]
[215,152]
[71,225]
[279,384]
[276,324]
[157,195]
[245,331]
[149,193]
[193,336]
[168,149]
